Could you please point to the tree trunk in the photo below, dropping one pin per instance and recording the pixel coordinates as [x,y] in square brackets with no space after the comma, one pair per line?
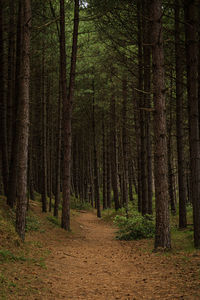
[170,154]
[191,18]
[30,168]
[104,165]
[3,131]
[23,123]
[130,181]
[142,103]
[75,167]
[114,168]
[11,74]
[138,116]
[108,181]
[44,136]
[91,188]
[179,120]
[58,154]
[65,223]
[96,177]
[12,184]
[162,237]
[67,108]
[125,146]
[147,100]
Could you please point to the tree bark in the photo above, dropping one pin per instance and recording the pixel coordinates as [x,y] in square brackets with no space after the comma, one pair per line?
[44,135]
[104,165]
[96,177]
[11,74]
[58,155]
[67,108]
[170,153]
[23,123]
[147,101]
[108,168]
[191,23]
[3,131]
[114,168]
[138,117]
[125,146]
[179,120]
[162,236]
[142,104]
[65,223]
[12,183]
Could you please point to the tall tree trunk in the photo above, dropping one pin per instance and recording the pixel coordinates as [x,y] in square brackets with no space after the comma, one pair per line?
[50,146]
[44,136]
[114,168]
[162,237]
[91,189]
[65,223]
[130,181]
[142,104]
[108,168]
[75,166]
[11,74]
[58,154]
[170,152]
[138,117]
[125,146]
[199,67]
[179,120]
[30,167]
[12,184]
[191,21]
[23,123]
[104,165]
[67,108]
[3,131]
[147,100]
[96,177]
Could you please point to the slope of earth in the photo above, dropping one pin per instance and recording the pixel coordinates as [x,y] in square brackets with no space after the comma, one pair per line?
[90,264]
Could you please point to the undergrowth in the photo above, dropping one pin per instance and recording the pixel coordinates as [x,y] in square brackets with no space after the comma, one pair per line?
[32,223]
[79,205]
[7,255]
[54,220]
[17,258]
[135,227]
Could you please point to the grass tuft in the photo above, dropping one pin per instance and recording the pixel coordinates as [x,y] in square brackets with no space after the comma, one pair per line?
[54,220]
[135,227]
[6,256]
[32,223]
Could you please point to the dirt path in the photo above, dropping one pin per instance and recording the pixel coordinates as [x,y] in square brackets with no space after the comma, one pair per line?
[91,264]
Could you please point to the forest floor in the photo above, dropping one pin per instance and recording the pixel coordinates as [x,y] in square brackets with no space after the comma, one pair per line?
[89,263]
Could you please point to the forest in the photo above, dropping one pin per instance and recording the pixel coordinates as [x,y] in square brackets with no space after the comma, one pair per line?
[99,114]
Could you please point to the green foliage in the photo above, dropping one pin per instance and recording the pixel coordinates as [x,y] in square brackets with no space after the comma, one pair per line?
[32,223]
[53,220]
[2,278]
[80,205]
[6,255]
[109,214]
[41,263]
[134,228]
[182,239]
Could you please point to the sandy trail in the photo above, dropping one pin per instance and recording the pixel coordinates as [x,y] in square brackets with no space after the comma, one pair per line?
[91,264]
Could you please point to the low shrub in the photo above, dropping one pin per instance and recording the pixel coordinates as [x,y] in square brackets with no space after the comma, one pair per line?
[79,205]
[32,223]
[6,255]
[53,220]
[135,227]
